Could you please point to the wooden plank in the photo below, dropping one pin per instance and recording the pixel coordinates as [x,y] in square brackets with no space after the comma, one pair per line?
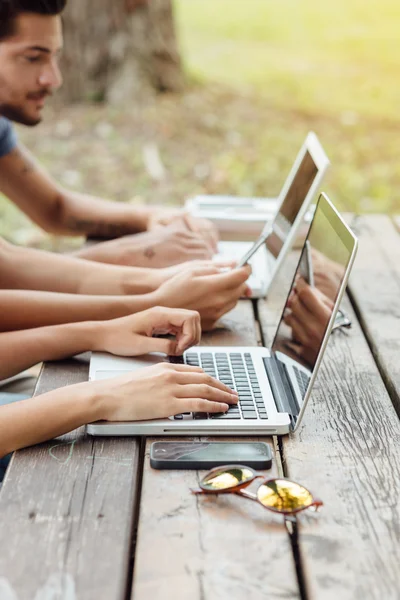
[347,451]
[67,511]
[375,291]
[201,548]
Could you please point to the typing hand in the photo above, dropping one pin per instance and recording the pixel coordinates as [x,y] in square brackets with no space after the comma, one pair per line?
[133,335]
[161,391]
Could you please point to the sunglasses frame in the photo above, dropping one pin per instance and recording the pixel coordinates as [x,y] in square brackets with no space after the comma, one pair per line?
[240,489]
[342,321]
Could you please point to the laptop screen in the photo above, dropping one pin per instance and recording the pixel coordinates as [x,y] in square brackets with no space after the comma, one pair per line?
[317,282]
[291,204]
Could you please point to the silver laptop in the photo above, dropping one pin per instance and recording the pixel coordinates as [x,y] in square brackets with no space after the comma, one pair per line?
[274,384]
[300,187]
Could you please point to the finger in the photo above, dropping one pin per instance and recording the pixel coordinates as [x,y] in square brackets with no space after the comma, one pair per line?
[202,234]
[224,264]
[299,334]
[206,392]
[300,311]
[235,278]
[202,253]
[205,271]
[185,368]
[203,378]
[245,291]
[201,405]
[189,335]
[313,301]
[198,323]
[296,348]
[153,344]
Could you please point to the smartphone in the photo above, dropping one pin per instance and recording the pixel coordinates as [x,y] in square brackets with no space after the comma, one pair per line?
[305,266]
[205,455]
[261,240]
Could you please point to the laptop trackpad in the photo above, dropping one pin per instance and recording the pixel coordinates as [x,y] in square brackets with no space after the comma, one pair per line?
[105,366]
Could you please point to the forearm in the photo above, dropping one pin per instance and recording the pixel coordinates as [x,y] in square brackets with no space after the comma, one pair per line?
[29,269]
[29,309]
[82,214]
[50,415]
[19,350]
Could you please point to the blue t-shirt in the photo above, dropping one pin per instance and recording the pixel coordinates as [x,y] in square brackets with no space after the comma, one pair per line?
[8,139]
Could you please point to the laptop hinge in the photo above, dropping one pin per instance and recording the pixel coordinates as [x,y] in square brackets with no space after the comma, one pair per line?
[282,389]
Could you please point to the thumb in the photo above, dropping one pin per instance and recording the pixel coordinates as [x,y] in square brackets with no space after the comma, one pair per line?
[156,344]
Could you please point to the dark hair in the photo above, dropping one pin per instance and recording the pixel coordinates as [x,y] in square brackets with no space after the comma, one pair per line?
[10,9]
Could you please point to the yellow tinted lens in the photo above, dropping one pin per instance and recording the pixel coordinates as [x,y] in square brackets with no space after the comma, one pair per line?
[284,496]
[226,478]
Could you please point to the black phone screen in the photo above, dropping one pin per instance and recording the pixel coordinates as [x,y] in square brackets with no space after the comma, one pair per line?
[205,455]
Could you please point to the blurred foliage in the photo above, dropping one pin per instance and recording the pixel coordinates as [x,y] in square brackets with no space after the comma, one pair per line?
[262,73]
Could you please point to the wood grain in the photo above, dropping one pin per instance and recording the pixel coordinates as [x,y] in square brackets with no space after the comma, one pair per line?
[375,291]
[202,548]
[67,511]
[347,451]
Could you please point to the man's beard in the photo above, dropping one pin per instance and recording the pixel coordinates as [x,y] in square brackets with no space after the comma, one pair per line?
[18,115]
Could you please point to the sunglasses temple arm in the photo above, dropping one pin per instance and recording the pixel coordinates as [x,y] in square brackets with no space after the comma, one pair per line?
[317,503]
[197,491]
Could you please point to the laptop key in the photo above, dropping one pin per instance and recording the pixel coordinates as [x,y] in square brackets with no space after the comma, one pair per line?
[250,415]
[178,417]
[226,416]
[200,416]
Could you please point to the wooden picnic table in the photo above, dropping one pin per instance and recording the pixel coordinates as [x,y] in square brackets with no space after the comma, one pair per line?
[87,518]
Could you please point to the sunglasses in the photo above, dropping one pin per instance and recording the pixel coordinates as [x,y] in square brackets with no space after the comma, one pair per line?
[280,495]
[342,320]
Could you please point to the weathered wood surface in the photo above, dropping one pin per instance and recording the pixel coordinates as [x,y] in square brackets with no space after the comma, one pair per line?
[201,548]
[347,451]
[67,511]
[375,291]
[57,544]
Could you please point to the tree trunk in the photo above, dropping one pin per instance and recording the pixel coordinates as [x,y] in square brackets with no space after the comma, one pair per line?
[119,50]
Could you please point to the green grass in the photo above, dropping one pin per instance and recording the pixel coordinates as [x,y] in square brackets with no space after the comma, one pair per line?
[308,55]
[262,73]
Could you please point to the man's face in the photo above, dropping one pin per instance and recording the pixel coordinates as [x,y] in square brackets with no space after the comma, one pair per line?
[29,69]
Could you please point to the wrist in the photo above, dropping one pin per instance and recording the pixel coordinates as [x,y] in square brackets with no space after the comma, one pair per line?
[140,280]
[94,399]
[89,334]
[143,215]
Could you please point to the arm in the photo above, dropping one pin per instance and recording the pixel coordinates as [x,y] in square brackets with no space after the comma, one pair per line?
[204,289]
[126,336]
[152,392]
[59,211]
[28,309]
[29,269]
[64,212]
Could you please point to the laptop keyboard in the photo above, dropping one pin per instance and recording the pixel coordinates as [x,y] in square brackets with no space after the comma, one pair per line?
[302,379]
[236,370]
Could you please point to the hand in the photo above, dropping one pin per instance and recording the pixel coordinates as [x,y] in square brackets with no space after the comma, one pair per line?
[328,274]
[161,391]
[308,314]
[160,247]
[205,289]
[160,276]
[133,335]
[170,216]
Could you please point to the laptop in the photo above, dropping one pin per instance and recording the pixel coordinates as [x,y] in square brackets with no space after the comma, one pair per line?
[274,384]
[300,187]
